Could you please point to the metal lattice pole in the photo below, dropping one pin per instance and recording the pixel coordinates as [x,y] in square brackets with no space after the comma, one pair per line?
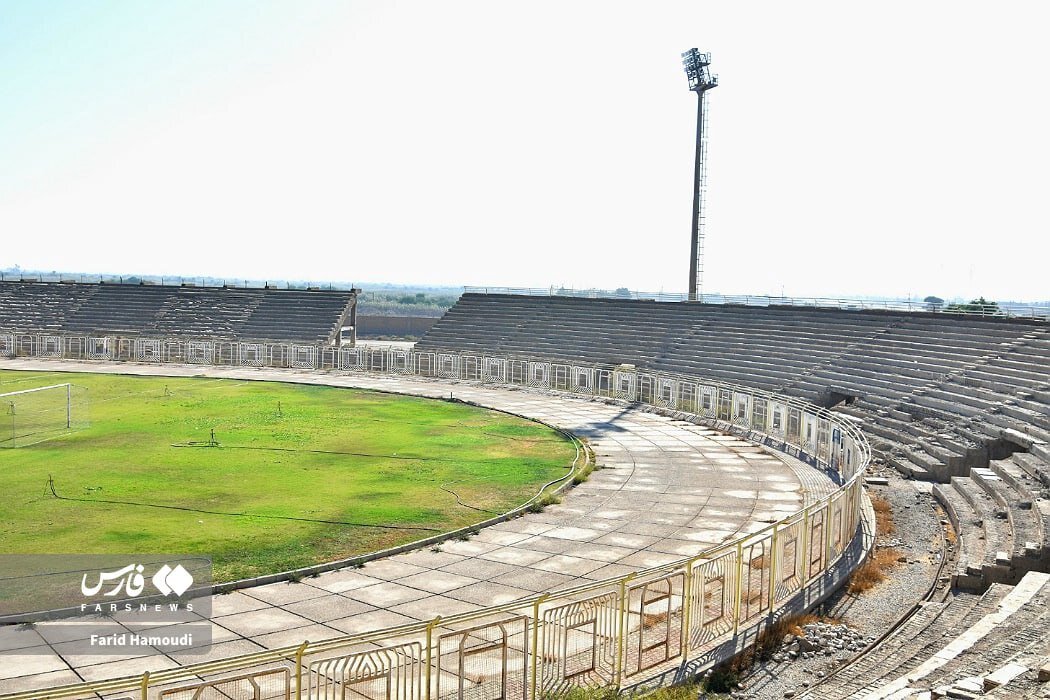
[697,70]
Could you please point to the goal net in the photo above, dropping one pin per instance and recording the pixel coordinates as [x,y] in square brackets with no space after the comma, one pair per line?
[32,415]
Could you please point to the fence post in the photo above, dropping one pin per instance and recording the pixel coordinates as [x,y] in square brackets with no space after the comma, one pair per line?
[622,641]
[774,565]
[536,643]
[299,669]
[429,655]
[829,525]
[739,586]
[145,686]
[805,546]
[687,608]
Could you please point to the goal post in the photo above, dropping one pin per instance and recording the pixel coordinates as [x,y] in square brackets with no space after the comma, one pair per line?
[31,415]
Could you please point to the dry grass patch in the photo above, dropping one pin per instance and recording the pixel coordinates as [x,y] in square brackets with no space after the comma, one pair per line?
[883,515]
[873,571]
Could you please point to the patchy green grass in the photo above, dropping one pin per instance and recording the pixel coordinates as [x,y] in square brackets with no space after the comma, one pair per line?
[302,474]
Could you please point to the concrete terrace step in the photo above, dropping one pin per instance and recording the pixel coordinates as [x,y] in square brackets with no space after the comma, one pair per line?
[1017,625]
[972,541]
[915,641]
[998,533]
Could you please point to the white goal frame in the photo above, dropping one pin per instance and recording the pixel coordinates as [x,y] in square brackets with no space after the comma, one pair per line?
[69,397]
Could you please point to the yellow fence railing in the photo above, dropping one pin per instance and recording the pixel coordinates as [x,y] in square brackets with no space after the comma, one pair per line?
[612,632]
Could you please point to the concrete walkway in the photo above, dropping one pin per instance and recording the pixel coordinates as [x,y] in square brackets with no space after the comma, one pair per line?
[667,489]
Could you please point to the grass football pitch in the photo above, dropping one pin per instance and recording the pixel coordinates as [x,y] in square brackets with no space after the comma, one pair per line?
[300,474]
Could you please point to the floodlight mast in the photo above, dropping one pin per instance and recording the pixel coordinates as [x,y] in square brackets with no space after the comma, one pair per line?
[698,71]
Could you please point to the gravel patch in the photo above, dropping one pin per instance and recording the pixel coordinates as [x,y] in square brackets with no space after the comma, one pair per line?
[852,621]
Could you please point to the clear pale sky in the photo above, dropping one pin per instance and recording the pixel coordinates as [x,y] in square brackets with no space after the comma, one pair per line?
[885,148]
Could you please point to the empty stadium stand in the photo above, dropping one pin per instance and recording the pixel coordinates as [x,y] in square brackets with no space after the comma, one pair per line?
[961,400]
[257,314]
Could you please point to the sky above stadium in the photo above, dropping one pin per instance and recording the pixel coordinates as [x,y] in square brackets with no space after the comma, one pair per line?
[889,148]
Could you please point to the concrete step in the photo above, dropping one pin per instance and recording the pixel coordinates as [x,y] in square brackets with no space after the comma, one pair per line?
[971,538]
[996,563]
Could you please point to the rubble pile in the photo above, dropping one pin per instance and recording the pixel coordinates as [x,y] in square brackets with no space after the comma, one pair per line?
[821,639]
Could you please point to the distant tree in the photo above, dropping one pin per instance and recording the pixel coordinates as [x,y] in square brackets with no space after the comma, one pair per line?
[933,303]
[623,292]
[980,305]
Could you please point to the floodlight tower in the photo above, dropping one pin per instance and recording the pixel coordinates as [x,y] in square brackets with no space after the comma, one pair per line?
[698,71]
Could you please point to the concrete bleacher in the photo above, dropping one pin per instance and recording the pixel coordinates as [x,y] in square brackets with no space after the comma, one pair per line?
[960,400]
[1002,515]
[993,644]
[917,375]
[220,313]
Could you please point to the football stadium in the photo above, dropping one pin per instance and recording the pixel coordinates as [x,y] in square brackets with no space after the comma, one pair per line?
[524,501]
[221,491]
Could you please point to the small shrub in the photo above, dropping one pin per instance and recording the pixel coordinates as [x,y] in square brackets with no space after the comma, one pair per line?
[684,691]
[723,679]
[541,503]
[583,474]
[767,643]
[585,694]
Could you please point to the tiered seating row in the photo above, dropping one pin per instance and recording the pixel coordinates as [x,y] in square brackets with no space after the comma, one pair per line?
[304,316]
[881,358]
[916,640]
[972,645]
[941,398]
